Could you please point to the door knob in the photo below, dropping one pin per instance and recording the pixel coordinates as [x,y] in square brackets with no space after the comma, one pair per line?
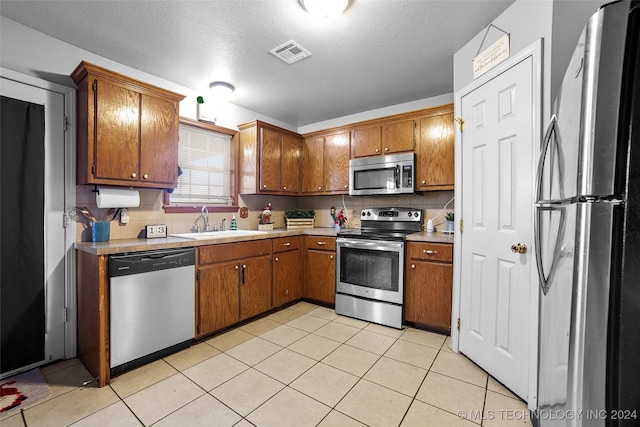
[519,248]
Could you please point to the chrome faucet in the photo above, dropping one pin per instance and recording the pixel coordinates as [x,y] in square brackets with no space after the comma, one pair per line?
[205,215]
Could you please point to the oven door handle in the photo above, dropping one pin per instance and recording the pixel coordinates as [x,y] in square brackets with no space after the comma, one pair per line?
[397,176]
[372,245]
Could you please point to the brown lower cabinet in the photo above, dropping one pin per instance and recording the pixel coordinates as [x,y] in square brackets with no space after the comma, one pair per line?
[233,283]
[287,270]
[320,269]
[429,276]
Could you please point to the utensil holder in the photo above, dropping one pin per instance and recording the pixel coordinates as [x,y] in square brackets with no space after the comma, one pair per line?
[100,231]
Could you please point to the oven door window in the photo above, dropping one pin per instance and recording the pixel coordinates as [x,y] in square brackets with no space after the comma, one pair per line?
[370,268]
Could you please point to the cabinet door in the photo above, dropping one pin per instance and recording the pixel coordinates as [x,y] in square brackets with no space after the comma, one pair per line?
[159,141]
[313,165]
[255,286]
[115,131]
[428,294]
[270,153]
[336,163]
[367,142]
[290,164]
[436,153]
[321,276]
[287,277]
[398,136]
[218,296]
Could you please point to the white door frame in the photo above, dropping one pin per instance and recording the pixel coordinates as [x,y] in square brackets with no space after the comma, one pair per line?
[535,52]
[69,93]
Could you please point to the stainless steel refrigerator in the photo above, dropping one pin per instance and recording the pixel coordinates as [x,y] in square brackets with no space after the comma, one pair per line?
[587,228]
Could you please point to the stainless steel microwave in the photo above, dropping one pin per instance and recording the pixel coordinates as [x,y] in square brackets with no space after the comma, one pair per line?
[390,174]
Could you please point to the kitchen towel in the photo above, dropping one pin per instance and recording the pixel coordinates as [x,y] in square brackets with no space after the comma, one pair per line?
[117,198]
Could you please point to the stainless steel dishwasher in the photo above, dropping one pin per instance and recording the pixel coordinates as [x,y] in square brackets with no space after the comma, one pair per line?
[151,300]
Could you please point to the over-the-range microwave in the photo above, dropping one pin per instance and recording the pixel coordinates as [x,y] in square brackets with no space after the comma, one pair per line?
[389,174]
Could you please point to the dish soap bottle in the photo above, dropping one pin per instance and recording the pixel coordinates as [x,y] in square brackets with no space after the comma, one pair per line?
[234,223]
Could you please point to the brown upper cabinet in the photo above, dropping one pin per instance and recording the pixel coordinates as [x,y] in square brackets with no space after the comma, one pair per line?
[127,130]
[325,165]
[388,138]
[435,152]
[269,159]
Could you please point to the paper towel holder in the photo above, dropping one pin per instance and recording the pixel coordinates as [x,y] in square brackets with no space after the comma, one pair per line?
[116,197]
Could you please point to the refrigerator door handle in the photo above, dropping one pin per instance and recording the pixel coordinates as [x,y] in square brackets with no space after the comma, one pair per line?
[546,279]
[546,141]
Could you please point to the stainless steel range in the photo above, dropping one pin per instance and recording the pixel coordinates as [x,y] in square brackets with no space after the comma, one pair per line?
[370,271]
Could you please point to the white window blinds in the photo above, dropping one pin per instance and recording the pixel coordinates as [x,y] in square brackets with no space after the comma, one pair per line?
[205,159]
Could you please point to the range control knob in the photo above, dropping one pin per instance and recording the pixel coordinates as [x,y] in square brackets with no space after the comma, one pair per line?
[363,213]
[368,213]
[409,214]
[416,214]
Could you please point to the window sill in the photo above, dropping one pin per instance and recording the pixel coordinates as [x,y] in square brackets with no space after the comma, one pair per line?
[197,209]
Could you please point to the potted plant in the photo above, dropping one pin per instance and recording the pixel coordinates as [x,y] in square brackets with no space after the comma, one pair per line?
[449,217]
[299,218]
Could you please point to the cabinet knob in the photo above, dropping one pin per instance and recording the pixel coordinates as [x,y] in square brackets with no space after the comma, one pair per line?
[377,150]
[244,266]
[386,149]
[145,176]
[133,175]
[284,188]
[413,266]
[236,267]
[319,188]
[424,182]
[276,259]
[429,252]
[264,186]
[331,257]
[346,186]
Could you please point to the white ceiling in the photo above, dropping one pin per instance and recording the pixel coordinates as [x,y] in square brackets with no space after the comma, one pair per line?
[378,53]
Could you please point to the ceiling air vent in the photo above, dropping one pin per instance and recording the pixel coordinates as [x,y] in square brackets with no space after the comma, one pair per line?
[290,52]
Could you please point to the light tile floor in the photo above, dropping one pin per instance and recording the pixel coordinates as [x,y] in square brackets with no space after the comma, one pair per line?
[301,366]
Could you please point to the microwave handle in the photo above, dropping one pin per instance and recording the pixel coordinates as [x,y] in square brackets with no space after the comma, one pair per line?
[397,176]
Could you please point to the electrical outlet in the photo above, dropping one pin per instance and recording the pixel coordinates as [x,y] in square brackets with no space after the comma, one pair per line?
[124,216]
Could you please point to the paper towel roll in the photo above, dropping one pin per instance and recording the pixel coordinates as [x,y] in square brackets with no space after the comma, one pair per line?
[117,198]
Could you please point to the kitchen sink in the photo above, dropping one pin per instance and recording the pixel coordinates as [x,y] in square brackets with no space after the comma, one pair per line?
[218,234]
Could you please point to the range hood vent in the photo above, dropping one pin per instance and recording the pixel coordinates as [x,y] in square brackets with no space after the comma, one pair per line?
[290,52]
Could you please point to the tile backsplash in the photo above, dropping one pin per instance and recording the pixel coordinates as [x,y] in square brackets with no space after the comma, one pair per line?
[151,211]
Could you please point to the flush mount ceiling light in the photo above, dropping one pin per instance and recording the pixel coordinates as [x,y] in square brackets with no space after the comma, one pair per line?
[221,90]
[324,9]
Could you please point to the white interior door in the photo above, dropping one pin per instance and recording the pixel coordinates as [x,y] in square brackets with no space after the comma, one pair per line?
[498,148]
[54,205]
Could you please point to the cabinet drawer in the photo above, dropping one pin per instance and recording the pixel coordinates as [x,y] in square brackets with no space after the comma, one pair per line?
[283,244]
[430,251]
[231,251]
[321,243]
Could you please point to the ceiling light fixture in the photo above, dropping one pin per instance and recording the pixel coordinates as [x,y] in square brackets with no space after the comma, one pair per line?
[325,9]
[221,90]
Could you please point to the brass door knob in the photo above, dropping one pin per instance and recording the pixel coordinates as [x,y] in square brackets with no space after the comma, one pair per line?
[519,248]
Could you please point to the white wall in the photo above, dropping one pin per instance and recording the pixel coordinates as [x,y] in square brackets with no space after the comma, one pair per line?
[526,21]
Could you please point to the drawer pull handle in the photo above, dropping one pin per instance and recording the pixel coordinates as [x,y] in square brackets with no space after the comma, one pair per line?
[286,244]
[429,252]
[321,243]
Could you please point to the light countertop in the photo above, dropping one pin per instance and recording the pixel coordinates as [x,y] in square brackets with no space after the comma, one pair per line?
[139,245]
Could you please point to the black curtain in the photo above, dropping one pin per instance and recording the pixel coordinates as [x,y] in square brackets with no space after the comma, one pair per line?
[22,276]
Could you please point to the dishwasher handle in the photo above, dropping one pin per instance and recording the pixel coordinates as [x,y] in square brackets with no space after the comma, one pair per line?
[143,262]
